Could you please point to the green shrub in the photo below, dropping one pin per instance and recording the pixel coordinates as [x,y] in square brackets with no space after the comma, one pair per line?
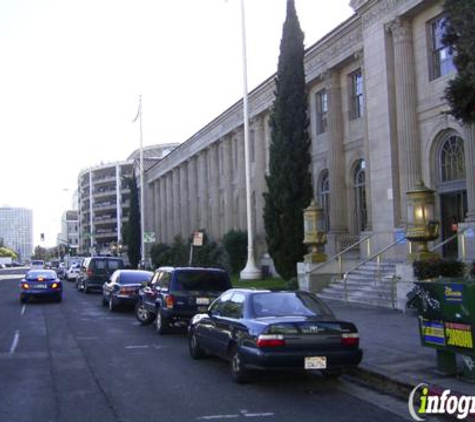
[472,270]
[235,244]
[434,268]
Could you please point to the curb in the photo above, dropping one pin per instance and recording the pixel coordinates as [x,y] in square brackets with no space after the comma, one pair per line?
[398,388]
[380,382]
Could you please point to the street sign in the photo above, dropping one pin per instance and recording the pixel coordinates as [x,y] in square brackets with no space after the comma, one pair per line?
[149,237]
[198,239]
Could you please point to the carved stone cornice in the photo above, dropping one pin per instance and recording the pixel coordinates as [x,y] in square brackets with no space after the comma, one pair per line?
[375,12]
[401,30]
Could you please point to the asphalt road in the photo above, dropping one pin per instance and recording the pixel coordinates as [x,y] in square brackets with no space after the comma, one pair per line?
[77,361]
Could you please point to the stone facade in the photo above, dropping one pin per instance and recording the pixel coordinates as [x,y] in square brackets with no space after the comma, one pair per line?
[378,123]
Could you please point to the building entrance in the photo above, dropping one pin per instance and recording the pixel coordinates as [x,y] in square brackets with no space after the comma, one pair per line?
[453,209]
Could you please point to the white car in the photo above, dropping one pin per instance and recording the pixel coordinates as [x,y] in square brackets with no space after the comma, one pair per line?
[37,264]
[72,272]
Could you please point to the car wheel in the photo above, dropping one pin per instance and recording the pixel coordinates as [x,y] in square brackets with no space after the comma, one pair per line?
[104,301]
[112,305]
[239,373]
[59,298]
[196,352]
[86,288]
[141,313]
[161,323]
[23,299]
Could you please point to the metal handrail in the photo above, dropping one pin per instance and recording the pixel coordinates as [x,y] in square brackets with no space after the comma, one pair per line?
[449,239]
[376,255]
[339,254]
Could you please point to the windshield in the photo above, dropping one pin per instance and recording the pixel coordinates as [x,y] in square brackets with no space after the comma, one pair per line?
[135,277]
[288,304]
[35,275]
[37,262]
[213,281]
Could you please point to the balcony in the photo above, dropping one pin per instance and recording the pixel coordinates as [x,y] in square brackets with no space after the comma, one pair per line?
[105,206]
[103,192]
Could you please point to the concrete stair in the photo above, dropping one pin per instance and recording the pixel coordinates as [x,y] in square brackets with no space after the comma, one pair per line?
[370,285]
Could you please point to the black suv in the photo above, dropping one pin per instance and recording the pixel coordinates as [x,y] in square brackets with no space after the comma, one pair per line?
[175,294]
[95,271]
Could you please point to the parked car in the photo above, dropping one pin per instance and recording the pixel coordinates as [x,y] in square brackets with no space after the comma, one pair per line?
[95,271]
[72,272]
[175,294]
[41,284]
[264,330]
[123,287]
[37,264]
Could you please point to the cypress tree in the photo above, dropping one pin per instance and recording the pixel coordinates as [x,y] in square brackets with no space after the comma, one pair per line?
[289,188]
[132,227]
[459,36]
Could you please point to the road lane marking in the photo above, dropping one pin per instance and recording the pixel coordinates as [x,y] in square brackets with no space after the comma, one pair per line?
[242,413]
[137,347]
[16,339]
[23,309]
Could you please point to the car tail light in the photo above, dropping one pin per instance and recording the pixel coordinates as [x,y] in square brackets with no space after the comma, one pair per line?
[54,285]
[89,273]
[25,286]
[169,301]
[127,290]
[350,339]
[270,340]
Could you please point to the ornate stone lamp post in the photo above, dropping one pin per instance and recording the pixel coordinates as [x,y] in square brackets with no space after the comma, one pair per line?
[421,227]
[314,236]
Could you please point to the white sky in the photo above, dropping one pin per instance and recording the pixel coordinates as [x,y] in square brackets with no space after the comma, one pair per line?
[71,72]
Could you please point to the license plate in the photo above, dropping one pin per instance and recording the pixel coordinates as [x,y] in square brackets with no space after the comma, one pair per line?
[41,286]
[316,362]
[202,301]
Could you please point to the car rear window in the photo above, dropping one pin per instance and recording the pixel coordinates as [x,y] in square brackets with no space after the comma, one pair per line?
[135,277]
[211,281]
[287,304]
[112,264]
[37,262]
[47,275]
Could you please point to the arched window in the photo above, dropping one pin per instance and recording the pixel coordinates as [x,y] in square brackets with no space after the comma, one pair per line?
[323,196]
[452,159]
[359,186]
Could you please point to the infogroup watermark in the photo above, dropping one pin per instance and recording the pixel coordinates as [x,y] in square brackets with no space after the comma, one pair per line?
[423,403]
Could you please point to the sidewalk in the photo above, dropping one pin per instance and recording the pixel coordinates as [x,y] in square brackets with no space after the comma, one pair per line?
[393,357]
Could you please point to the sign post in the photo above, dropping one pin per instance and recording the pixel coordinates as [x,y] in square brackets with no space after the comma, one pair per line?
[197,241]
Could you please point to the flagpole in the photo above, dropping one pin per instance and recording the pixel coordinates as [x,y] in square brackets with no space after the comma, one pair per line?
[142,188]
[250,272]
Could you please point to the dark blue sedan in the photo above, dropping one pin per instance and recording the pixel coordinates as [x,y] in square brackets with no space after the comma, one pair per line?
[41,284]
[264,330]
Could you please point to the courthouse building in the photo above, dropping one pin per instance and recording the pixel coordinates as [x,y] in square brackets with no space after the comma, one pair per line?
[379,123]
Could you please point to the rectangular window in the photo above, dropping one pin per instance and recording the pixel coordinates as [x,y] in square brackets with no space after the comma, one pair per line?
[440,59]
[322,111]
[356,94]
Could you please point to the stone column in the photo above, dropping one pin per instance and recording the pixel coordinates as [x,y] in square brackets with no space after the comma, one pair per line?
[176,202]
[163,209]
[169,209]
[203,189]
[227,184]
[409,155]
[193,205]
[184,215]
[336,157]
[213,191]
[259,176]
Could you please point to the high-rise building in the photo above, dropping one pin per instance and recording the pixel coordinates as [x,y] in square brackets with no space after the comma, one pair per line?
[69,236]
[16,230]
